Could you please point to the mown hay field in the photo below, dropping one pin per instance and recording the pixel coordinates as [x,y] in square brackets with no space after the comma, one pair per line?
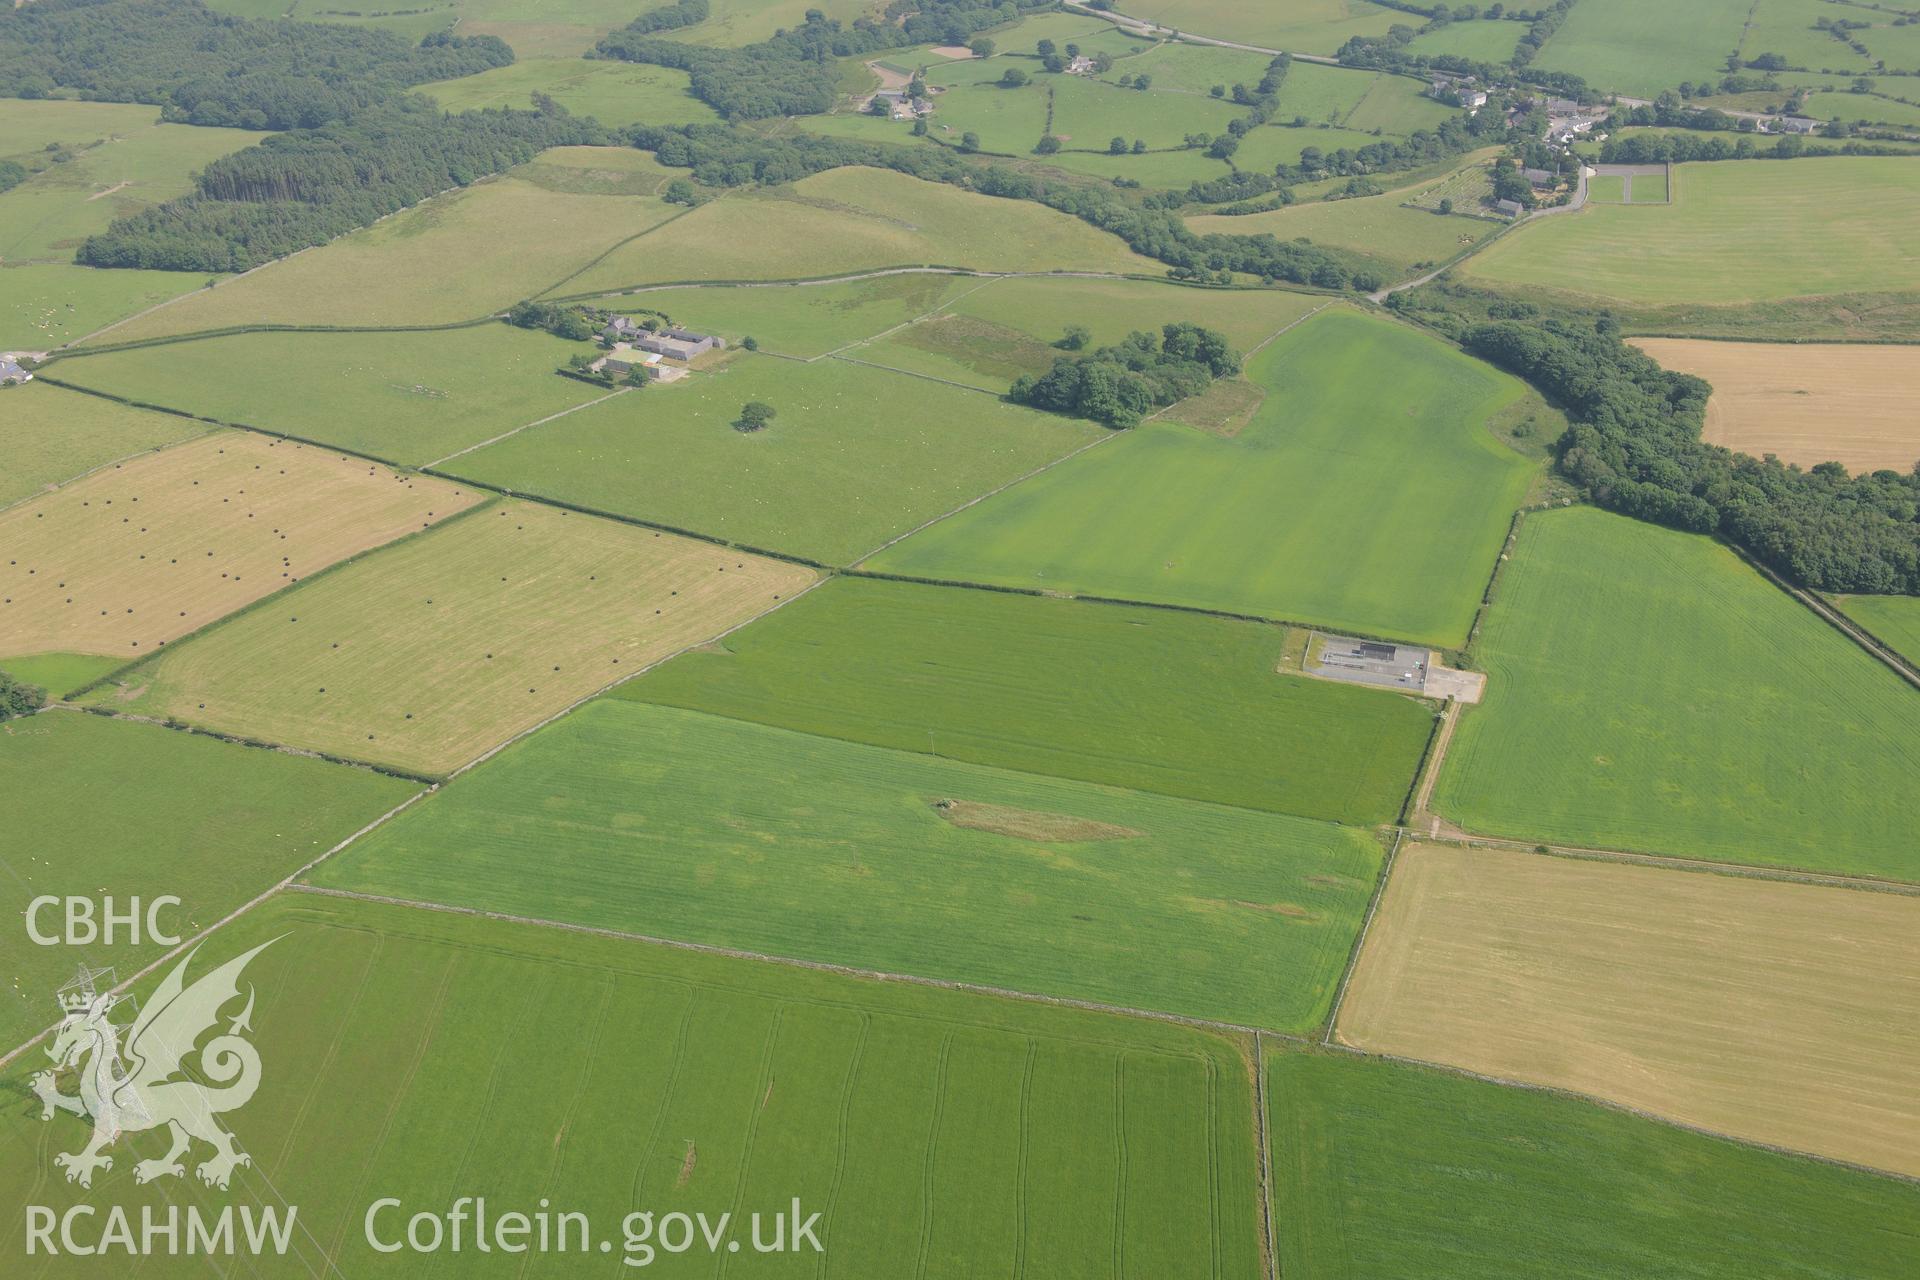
[1144,698]
[992,333]
[54,436]
[702,829]
[410,398]
[1737,231]
[1351,500]
[1383,1168]
[855,456]
[1781,1013]
[1806,403]
[858,219]
[46,217]
[428,654]
[1646,46]
[135,810]
[616,94]
[1646,690]
[457,256]
[145,551]
[924,1126]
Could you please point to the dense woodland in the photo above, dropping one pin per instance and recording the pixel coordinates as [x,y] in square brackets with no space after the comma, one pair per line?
[1122,384]
[1634,446]
[794,73]
[205,68]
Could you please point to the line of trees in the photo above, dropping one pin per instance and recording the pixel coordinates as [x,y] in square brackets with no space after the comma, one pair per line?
[1122,384]
[306,186]
[723,156]
[207,68]
[1634,445]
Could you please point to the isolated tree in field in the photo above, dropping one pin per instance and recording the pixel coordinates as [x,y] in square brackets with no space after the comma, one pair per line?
[1076,339]
[680,191]
[754,416]
[1139,146]
[1446,204]
[1048,145]
[1118,147]
[1045,48]
[18,698]
[750,342]
[1073,51]
[969,141]
[1014,78]
[1218,91]
[982,47]
[1054,62]
[920,128]
[1143,82]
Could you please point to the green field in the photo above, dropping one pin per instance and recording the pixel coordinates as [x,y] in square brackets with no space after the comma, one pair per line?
[1351,500]
[1385,1169]
[1187,68]
[1737,231]
[45,218]
[1007,121]
[52,436]
[406,397]
[1264,148]
[1399,105]
[701,829]
[29,125]
[509,237]
[1143,698]
[1167,169]
[59,674]
[1486,41]
[1380,226]
[992,333]
[1299,26]
[856,456]
[47,305]
[1894,619]
[614,93]
[858,219]
[1787,27]
[1607,188]
[1088,113]
[1646,690]
[1646,46]
[1649,188]
[113,807]
[930,1129]
[801,320]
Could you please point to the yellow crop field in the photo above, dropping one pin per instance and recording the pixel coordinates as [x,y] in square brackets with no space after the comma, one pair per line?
[146,550]
[1778,1012]
[431,652]
[1807,403]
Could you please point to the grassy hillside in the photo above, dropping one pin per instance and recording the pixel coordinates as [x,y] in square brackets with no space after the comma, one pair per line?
[1158,701]
[1647,690]
[693,827]
[1352,499]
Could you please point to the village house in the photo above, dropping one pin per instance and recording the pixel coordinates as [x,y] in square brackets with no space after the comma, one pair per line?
[678,344]
[1542,179]
[1786,124]
[1512,208]
[11,372]
[1081,65]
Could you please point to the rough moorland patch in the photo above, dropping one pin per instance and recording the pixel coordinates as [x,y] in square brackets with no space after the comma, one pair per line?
[704,829]
[1647,690]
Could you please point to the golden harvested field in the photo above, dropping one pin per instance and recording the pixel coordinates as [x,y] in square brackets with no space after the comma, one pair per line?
[1808,403]
[457,256]
[431,652]
[1782,1013]
[143,551]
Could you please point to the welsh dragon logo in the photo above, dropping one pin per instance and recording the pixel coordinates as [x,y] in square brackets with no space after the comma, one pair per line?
[141,1085]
